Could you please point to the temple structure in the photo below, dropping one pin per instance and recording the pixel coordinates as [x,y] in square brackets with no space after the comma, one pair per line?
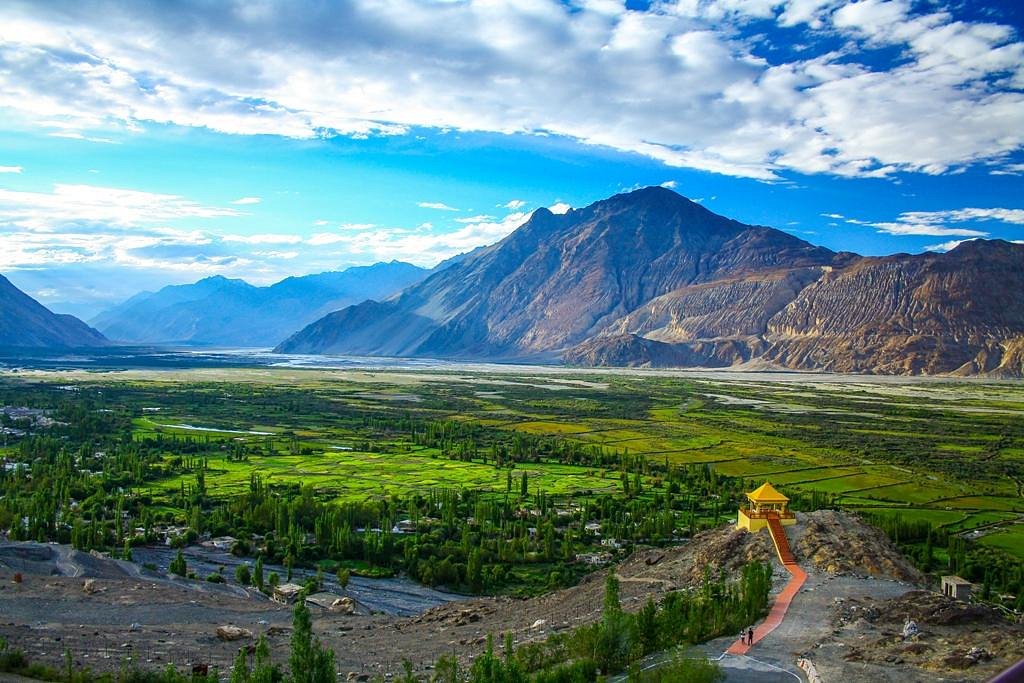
[765,503]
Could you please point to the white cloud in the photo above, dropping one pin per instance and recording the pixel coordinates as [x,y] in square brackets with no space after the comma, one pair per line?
[670,184]
[678,83]
[424,246]
[1015,216]
[1008,169]
[513,205]
[266,238]
[946,246]
[11,169]
[901,228]
[560,208]
[90,204]
[74,135]
[247,200]
[947,223]
[357,226]
[834,216]
[475,219]
[440,206]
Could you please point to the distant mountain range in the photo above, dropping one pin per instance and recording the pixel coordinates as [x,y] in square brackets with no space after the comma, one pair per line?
[225,312]
[25,322]
[649,278]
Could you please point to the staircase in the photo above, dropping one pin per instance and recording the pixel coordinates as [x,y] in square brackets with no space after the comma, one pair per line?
[780,540]
[783,599]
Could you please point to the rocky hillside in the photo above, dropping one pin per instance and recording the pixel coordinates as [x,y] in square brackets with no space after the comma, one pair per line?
[650,278]
[27,323]
[229,312]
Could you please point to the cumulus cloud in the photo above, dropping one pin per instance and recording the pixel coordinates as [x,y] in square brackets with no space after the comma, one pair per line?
[684,82]
[513,205]
[560,208]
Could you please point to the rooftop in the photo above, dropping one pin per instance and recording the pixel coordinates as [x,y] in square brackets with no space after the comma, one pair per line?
[766,493]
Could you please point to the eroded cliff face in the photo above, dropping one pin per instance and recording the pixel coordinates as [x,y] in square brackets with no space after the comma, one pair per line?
[649,278]
[958,313]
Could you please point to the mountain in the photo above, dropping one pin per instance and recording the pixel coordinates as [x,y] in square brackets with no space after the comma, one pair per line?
[26,322]
[649,278]
[227,312]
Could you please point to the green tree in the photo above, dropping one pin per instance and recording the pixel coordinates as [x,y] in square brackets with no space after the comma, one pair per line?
[474,571]
[240,669]
[258,573]
[242,575]
[309,661]
[343,576]
[647,628]
[178,565]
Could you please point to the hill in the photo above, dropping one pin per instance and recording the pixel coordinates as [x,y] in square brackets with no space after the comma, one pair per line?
[649,278]
[228,312]
[24,322]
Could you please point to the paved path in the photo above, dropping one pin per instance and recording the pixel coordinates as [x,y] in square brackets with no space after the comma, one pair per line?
[777,613]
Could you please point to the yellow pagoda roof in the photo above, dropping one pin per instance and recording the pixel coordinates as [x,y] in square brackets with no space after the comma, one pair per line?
[766,493]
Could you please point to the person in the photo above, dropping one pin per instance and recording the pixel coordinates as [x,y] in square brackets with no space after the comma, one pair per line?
[750,636]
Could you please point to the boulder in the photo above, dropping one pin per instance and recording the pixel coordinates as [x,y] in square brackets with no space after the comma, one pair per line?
[230,632]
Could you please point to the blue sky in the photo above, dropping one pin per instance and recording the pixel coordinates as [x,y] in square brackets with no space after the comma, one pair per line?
[149,144]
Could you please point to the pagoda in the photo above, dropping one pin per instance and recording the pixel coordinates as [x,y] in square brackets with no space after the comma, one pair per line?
[765,503]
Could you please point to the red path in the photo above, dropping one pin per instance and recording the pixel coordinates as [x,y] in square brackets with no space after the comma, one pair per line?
[781,606]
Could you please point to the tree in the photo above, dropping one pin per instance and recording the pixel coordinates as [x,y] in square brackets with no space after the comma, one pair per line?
[647,627]
[258,574]
[309,661]
[613,645]
[474,571]
[264,671]
[240,669]
[343,577]
[242,575]
[524,486]
[178,565]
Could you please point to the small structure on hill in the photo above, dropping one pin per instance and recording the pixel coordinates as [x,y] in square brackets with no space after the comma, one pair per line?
[956,587]
[286,593]
[765,502]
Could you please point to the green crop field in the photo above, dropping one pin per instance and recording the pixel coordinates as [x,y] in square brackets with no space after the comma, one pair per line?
[950,453]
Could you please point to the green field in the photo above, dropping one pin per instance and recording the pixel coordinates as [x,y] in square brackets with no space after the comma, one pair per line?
[951,453]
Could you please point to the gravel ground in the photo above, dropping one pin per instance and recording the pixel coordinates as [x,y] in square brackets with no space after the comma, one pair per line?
[159,621]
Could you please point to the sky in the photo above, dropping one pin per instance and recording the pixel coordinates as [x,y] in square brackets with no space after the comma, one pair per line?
[152,143]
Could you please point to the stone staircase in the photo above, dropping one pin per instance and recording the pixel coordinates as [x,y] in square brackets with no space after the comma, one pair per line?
[780,540]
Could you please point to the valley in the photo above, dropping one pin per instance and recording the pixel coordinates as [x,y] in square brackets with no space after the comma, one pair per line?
[519,483]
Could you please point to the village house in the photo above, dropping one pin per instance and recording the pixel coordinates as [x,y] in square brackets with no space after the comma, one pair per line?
[956,587]
[286,593]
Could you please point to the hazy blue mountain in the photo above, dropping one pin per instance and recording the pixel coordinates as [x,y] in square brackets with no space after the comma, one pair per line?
[228,312]
[26,322]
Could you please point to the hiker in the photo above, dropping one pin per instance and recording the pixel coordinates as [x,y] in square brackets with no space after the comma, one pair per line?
[750,636]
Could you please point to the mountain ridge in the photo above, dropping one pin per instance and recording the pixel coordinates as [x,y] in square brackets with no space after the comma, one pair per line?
[24,322]
[651,278]
[224,311]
